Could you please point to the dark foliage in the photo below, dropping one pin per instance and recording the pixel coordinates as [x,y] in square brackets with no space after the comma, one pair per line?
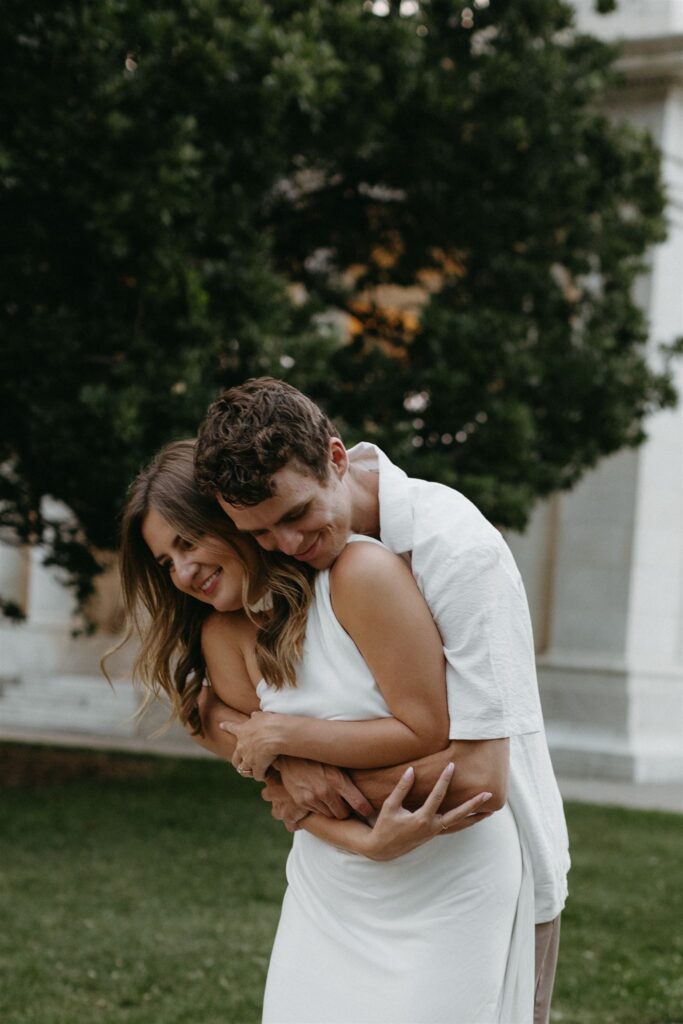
[190,190]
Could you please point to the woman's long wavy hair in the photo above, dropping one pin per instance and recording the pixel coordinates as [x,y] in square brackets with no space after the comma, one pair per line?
[167,622]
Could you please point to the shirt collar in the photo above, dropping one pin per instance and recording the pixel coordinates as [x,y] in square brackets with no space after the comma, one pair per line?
[395,500]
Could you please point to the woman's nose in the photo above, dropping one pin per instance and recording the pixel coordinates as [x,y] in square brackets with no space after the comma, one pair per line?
[185,569]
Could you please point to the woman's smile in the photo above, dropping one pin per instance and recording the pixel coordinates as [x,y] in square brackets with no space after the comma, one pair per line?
[211,582]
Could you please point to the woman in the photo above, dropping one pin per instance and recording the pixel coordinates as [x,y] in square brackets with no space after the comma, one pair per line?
[443,933]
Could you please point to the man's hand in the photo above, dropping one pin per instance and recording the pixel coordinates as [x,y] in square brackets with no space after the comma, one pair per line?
[322,788]
[398,831]
[283,807]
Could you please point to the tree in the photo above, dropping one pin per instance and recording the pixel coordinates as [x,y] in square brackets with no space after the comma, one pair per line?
[191,190]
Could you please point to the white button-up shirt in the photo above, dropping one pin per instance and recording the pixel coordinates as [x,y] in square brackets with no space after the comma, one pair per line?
[473,588]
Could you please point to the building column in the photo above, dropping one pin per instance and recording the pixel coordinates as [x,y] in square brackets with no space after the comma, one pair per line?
[49,603]
[606,591]
[13,573]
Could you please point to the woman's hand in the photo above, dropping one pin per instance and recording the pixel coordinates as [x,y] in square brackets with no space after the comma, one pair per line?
[259,741]
[398,831]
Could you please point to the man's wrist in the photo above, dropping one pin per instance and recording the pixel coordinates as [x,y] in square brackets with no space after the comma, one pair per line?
[288,760]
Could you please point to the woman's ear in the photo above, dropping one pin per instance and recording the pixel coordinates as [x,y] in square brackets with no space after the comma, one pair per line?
[339,459]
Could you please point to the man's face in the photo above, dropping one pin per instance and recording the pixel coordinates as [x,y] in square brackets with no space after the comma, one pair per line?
[306,519]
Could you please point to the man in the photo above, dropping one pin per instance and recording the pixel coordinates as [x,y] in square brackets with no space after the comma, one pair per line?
[277,468]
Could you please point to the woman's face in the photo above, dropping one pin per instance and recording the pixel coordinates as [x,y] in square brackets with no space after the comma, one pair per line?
[209,571]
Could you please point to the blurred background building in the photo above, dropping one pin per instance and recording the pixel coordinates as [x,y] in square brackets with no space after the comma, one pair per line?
[603,565]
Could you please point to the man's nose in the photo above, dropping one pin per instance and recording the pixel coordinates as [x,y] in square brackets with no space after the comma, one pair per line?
[266,541]
[288,539]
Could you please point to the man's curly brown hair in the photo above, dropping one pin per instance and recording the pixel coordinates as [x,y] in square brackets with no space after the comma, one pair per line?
[251,432]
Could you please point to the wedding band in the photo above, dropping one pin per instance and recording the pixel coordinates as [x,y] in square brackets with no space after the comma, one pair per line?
[444,828]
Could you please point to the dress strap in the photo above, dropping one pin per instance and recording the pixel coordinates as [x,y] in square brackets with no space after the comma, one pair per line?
[361,536]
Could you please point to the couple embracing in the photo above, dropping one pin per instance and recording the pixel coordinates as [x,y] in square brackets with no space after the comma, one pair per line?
[360,642]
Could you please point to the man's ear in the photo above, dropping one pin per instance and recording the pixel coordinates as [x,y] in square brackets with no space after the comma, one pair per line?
[339,459]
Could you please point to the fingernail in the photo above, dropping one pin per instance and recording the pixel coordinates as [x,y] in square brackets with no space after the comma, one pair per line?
[486,796]
[223,727]
[449,767]
[408,772]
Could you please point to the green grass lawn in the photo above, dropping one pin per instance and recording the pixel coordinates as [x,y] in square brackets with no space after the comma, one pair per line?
[147,891]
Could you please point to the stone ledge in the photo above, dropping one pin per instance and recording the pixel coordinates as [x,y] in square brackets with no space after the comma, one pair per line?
[655,797]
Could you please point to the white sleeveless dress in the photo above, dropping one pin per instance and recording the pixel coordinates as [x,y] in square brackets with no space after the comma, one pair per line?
[443,934]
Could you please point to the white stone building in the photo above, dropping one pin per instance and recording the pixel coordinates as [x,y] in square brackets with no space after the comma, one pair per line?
[603,565]
[49,678]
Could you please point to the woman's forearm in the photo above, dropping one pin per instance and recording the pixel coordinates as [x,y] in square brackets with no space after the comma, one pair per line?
[350,835]
[373,743]
[397,830]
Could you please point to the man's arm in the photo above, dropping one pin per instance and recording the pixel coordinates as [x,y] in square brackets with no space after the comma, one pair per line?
[479,761]
[479,765]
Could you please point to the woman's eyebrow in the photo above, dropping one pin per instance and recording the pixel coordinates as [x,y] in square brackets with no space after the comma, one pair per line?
[174,544]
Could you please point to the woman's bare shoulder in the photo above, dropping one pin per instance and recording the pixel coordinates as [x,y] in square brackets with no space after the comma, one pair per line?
[362,576]
[227,628]
[362,561]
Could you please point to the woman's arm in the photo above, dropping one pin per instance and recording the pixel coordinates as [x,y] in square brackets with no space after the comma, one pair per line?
[227,642]
[397,830]
[376,600]
[228,645]
[212,712]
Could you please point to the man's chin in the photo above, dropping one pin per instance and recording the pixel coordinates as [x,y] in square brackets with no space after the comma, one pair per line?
[323,554]
[322,562]
[325,558]
[313,554]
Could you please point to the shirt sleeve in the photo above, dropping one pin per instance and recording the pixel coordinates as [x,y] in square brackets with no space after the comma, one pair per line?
[478,602]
